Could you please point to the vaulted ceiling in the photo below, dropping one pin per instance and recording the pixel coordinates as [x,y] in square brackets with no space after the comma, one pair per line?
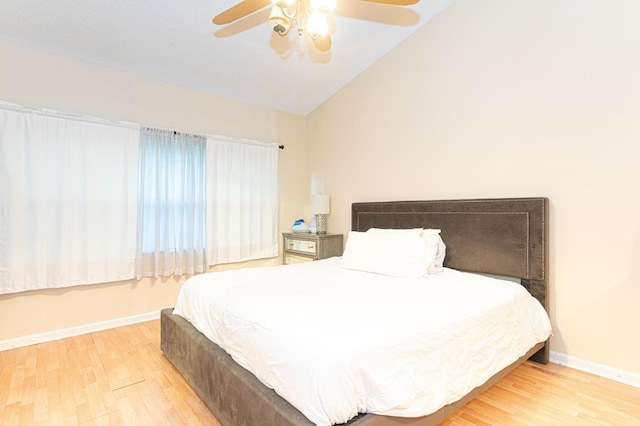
[175,41]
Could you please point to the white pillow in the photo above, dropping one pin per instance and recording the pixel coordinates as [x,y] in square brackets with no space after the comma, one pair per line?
[395,254]
[431,237]
[434,241]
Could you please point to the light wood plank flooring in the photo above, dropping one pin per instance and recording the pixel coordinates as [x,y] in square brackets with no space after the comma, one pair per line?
[120,377]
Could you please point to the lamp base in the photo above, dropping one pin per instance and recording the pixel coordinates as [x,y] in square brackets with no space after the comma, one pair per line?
[321,223]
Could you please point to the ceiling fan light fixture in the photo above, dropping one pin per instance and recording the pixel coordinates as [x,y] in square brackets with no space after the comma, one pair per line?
[317,24]
[278,21]
[310,16]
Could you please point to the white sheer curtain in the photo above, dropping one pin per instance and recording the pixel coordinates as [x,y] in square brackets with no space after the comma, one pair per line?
[85,201]
[242,211]
[67,186]
[172,204]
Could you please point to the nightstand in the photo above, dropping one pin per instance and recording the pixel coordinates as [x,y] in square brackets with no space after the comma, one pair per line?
[306,247]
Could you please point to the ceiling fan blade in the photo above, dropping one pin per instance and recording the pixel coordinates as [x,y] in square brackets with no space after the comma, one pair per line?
[243,24]
[395,2]
[240,10]
[323,43]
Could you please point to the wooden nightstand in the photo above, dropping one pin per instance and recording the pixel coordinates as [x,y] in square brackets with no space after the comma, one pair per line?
[307,247]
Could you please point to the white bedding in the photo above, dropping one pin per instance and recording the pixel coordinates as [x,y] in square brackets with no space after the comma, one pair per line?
[334,342]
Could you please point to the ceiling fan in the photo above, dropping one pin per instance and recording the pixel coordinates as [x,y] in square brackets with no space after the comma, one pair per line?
[310,16]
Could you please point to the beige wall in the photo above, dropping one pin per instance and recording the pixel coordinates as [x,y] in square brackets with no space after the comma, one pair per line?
[505,98]
[41,80]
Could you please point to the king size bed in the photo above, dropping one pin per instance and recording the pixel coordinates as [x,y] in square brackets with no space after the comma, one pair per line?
[496,237]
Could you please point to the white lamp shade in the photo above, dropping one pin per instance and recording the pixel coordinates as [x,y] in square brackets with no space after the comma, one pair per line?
[320,204]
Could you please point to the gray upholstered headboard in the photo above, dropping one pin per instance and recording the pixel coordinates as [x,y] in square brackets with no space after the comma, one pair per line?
[507,236]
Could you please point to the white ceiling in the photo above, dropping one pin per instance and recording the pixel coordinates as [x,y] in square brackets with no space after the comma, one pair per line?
[175,41]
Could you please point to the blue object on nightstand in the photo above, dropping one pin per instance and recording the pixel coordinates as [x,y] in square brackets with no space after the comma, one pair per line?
[300,226]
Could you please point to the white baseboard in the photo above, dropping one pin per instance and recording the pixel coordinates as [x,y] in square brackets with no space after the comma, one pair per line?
[601,370]
[75,331]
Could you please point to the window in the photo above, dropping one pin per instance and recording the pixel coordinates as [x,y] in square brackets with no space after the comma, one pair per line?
[204,201]
[171,204]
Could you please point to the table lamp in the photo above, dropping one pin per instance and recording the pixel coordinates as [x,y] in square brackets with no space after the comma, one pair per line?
[320,207]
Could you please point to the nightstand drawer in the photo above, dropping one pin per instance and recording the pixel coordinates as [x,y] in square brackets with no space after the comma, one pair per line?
[305,246]
[290,259]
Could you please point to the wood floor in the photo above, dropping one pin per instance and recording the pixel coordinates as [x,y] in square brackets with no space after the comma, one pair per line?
[120,377]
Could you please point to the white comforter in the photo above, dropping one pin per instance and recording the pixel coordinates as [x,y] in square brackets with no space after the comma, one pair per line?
[334,342]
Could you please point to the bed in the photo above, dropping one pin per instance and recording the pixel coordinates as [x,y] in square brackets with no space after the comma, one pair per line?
[505,237]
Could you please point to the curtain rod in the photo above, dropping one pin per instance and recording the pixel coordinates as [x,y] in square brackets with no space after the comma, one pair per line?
[175,132]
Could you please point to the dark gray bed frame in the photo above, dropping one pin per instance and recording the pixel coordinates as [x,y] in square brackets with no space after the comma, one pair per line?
[506,237]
